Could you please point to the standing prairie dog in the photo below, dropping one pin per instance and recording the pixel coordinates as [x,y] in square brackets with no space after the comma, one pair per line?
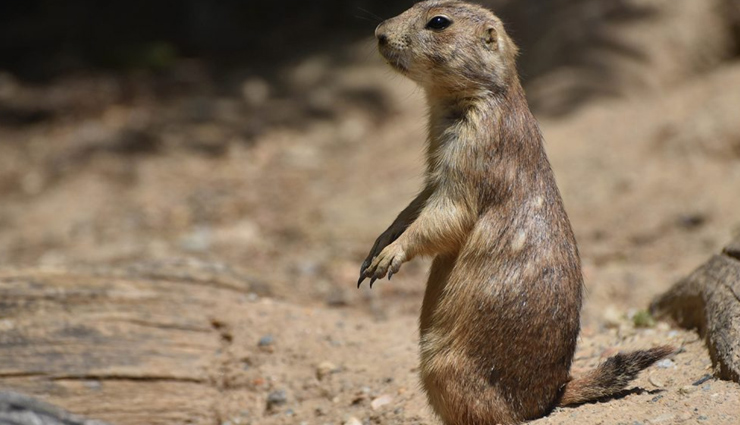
[500,317]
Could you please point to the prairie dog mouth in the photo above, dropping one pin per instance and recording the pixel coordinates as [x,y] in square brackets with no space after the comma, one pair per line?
[394,58]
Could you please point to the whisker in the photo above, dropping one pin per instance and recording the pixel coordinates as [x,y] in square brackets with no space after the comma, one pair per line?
[371,14]
[365,18]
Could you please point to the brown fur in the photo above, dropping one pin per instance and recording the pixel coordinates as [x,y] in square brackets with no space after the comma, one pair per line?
[611,376]
[500,317]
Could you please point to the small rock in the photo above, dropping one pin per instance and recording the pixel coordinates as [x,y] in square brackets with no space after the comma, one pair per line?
[324,369]
[706,387]
[666,364]
[688,389]
[266,341]
[656,398]
[381,401]
[352,421]
[655,381]
[701,418]
[276,398]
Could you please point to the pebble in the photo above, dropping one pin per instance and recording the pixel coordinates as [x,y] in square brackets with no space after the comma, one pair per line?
[653,380]
[352,421]
[381,401]
[666,364]
[688,389]
[702,418]
[324,369]
[266,341]
[656,398]
[276,398]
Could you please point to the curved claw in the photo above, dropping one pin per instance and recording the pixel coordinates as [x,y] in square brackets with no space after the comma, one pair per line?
[390,274]
[372,281]
[359,282]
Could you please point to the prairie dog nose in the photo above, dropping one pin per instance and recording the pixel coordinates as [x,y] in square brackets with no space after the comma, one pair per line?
[380,34]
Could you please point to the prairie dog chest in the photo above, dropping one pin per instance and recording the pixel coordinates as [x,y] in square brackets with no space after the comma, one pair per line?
[456,145]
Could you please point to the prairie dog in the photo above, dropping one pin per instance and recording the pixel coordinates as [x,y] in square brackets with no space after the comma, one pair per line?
[500,316]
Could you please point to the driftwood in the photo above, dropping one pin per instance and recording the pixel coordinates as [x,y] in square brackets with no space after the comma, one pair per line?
[709,300]
[146,344]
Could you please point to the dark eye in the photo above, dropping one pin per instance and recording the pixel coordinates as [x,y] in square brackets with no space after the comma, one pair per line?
[438,23]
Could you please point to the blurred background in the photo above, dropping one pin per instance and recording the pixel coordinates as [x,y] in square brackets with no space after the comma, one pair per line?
[270,138]
[270,135]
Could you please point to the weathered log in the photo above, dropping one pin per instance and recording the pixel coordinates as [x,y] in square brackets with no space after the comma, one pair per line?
[145,344]
[709,300]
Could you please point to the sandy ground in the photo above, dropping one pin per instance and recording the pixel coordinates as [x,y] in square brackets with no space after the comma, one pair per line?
[291,182]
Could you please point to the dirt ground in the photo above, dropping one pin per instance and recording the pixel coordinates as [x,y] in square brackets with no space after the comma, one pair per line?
[289,178]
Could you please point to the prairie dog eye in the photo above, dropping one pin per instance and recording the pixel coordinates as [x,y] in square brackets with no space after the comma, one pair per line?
[439,23]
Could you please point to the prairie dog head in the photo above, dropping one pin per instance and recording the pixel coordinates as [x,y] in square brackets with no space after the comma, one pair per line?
[449,47]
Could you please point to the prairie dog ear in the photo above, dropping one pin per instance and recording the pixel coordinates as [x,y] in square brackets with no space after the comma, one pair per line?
[490,36]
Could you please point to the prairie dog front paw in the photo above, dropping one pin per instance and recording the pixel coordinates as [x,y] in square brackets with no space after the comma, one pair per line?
[387,262]
[385,239]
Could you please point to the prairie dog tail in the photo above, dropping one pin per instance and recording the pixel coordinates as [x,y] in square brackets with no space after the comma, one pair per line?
[612,376]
